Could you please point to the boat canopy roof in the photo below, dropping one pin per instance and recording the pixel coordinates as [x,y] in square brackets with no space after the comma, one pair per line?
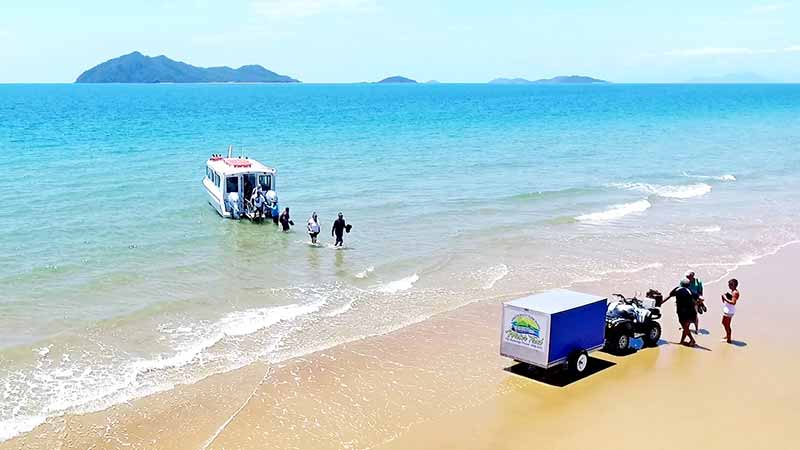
[237,166]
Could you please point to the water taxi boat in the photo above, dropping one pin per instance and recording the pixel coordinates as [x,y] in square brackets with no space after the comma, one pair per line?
[230,181]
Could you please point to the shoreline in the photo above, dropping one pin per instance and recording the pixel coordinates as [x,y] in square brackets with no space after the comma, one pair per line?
[396,375]
[719,396]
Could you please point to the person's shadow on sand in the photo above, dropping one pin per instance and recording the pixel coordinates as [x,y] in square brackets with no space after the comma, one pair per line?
[738,343]
[696,346]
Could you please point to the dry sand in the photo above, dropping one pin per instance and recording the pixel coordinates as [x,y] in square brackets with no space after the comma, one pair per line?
[441,384]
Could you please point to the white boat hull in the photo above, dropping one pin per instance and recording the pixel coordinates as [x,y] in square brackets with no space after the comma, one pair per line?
[215,200]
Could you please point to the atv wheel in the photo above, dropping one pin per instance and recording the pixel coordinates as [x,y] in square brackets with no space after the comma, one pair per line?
[653,335]
[618,342]
[578,363]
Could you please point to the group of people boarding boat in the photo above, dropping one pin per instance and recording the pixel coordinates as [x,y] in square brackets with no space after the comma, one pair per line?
[264,204]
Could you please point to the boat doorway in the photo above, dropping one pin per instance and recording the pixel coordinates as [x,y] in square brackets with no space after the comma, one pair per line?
[248,184]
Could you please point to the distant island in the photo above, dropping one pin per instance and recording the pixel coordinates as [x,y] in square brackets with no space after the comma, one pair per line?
[397,79]
[570,79]
[138,68]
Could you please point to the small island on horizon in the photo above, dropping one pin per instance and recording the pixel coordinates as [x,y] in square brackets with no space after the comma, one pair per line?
[561,79]
[138,68]
[397,79]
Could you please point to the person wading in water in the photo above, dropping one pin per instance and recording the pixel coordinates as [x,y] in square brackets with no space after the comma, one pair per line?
[285,220]
[338,229]
[313,227]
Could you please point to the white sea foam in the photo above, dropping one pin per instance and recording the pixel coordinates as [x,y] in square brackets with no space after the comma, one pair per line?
[240,323]
[492,275]
[237,323]
[73,386]
[631,270]
[725,177]
[708,229]
[400,285]
[365,273]
[747,261]
[19,425]
[615,212]
[584,279]
[347,306]
[681,192]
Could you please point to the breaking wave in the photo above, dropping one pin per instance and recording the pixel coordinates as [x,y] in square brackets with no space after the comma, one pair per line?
[632,270]
[667,191]
[725,177]
[708,229]
[365,273]
[85,384]
[544,195]
[400,285]
[615,212]
[489,276]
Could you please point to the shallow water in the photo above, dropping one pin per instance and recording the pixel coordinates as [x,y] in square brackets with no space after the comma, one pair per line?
[119,280]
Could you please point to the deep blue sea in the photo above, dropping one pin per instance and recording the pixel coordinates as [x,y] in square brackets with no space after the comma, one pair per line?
[119,280]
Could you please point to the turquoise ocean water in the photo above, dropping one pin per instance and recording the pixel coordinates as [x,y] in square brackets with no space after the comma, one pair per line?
[119,280]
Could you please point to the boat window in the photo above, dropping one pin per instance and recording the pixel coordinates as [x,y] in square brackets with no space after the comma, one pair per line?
[265,181]
[233,184]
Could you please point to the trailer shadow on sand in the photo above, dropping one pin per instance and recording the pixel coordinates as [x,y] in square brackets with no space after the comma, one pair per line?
[558,377]
[563,377]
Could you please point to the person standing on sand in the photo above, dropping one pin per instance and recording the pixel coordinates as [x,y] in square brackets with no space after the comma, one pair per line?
[337,230]
[729,301]
[687,314]
[696,286]
[313,227]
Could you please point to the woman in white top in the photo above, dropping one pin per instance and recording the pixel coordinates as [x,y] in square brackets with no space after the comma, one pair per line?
[729,301]
[257,200]
[313,227]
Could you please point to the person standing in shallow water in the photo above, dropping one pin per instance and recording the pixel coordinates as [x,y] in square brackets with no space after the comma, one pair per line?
[313,227]
[729,301]
[337,230]
[685,307]
[285,220]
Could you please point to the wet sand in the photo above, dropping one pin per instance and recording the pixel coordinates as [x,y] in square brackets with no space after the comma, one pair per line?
[440,383]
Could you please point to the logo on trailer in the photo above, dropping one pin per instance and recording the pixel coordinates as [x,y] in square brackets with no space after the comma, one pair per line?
[525,330]
[525,324]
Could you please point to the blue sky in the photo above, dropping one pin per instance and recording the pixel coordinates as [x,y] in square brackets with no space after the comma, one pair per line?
[448,40]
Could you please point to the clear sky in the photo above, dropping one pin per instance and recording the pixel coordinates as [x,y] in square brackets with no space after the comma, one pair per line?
[447,40]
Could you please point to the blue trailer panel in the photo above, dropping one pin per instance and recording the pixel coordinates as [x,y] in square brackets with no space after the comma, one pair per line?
[546,329]
[576,329]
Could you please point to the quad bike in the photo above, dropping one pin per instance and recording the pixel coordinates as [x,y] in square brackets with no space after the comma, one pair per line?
[628,318]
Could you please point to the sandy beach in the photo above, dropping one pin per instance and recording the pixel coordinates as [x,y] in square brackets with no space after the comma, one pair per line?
[440,383]
[427,174]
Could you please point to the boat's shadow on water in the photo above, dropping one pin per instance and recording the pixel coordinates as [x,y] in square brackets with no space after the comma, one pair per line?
[558,377]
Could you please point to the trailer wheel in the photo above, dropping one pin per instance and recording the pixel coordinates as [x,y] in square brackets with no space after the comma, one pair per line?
[653,335]
[578,362]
